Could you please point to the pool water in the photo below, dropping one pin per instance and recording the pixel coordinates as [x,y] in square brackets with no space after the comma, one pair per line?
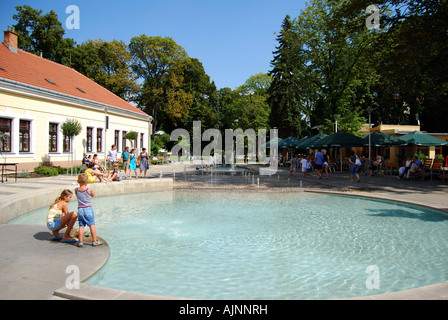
[265,245]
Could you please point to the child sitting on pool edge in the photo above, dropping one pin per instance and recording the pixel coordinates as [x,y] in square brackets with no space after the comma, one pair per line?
[116,174]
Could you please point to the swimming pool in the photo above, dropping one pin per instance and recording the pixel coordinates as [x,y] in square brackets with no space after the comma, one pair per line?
[265,245]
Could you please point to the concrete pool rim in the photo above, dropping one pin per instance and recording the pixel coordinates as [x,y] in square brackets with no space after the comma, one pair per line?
[88,292]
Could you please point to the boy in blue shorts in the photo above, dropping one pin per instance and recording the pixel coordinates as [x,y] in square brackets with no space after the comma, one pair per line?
[85,210]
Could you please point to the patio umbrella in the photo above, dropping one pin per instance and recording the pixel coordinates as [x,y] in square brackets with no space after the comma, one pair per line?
[290,142]
[268,144]
[379,139]
[339,139]
[306,142]
[418,138]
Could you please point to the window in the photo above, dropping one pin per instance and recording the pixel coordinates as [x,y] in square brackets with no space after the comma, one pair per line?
[50,81]
[117,139]
[141,140]
[80,90]
[99,140]
[89,140]
[24,136]
[123,139]
[53,137]
[5,135]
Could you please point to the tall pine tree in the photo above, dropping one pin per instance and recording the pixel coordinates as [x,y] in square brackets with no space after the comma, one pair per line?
[287,114]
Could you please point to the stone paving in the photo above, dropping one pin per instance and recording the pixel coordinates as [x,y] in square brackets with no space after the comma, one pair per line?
[31,267]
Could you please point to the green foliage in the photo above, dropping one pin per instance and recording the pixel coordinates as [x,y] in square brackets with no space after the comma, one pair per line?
[287,113]
[108,63]
[326,62]
[159,142]
[131,135]
[71,128]
[161,63]
[41,33]
[46,171]
[420,155]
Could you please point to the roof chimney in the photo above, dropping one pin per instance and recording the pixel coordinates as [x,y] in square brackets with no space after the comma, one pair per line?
[11,39]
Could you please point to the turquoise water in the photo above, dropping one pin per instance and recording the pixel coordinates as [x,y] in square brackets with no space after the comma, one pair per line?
[249,245]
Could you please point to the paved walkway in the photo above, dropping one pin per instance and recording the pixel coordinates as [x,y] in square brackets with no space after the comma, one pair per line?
[31,267]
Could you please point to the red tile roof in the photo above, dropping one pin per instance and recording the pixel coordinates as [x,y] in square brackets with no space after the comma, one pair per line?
[29,69]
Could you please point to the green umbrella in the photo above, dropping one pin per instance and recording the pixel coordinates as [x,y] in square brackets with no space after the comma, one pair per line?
[379,139]
[306,142]
[290,142]
[339,139]
[268,144]
[418,138]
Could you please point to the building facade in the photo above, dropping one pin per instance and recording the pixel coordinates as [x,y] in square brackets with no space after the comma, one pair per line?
[37,96]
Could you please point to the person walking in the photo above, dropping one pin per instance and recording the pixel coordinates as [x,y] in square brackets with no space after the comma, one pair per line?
[319,163]
[355,164]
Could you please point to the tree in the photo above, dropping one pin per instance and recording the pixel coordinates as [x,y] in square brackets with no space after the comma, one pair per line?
[161,64]
[132,136]
[413,83]
[108,63]
[253,111]
[70,129]
[42,33]
[203,90]
[287,113]
[335,74]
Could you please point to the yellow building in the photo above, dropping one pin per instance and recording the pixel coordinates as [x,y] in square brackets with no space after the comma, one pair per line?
[397,154]
[37,96]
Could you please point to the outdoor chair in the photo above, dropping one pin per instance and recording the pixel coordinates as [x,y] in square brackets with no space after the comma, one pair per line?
[437,167]
[389,167]
[426,170]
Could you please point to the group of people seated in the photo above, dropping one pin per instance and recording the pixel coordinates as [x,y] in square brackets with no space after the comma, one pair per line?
[412,167]
[95,170]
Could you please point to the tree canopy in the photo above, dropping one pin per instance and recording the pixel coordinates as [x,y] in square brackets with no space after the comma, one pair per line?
[326,62]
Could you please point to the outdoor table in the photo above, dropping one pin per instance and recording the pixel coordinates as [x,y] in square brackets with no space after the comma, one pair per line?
[5,168]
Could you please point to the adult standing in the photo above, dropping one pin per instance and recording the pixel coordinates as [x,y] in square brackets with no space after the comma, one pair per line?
[319,163]
[143,159]
[125,159]
[111,158]
[326,162]
[293,165]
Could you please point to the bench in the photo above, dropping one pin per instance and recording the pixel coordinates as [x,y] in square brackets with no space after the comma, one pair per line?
[5,169]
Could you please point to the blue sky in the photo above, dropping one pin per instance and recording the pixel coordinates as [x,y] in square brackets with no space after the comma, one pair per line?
[233,39]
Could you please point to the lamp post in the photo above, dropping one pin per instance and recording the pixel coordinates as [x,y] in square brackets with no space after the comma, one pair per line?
[336,117]
[369,110]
